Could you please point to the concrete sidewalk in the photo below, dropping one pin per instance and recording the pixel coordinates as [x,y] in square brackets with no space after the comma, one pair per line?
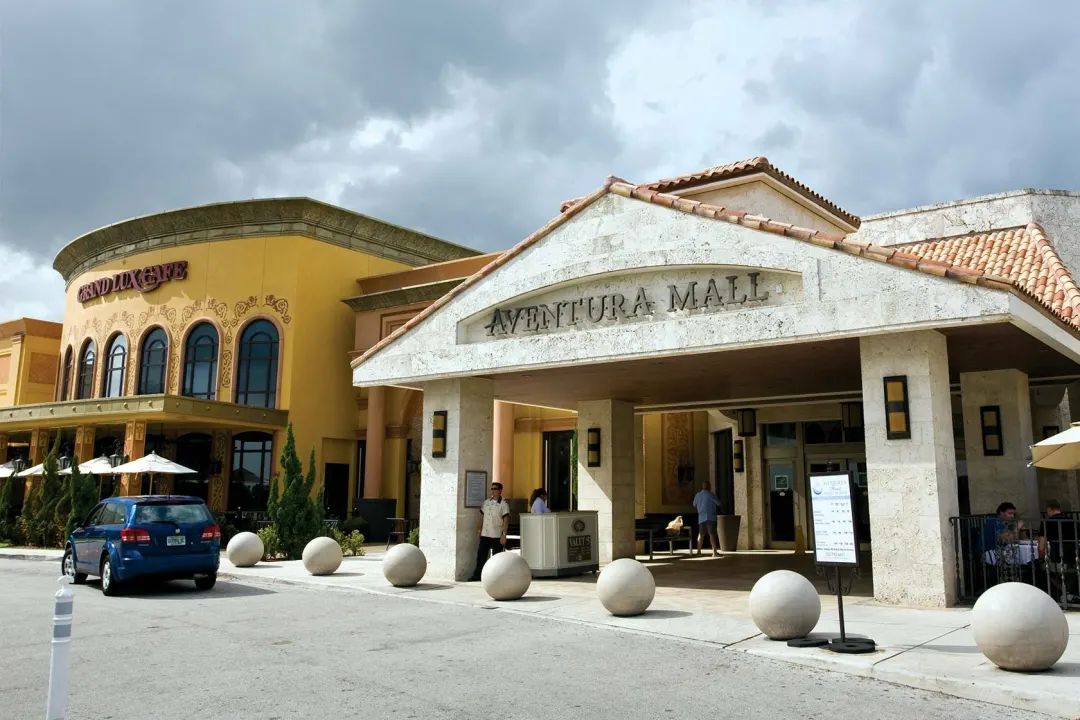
[926,649]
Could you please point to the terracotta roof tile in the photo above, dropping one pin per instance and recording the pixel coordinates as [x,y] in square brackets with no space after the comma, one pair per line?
[1020,260]
[739,169]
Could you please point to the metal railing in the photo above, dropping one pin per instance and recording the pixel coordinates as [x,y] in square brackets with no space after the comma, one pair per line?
[1043,552]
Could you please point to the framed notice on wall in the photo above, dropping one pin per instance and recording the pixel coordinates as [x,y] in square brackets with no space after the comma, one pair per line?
[833,514]
[476,488]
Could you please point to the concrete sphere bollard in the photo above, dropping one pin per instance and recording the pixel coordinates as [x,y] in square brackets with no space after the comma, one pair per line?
[322,556]
[1019,627]
[506,576]
[404,565]
[626,587]
[245,549]
[784,605]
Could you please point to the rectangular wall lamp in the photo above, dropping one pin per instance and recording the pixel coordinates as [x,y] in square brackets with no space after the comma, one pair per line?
[747,422]
[737,456]
[897,417]
[593,447]
[438,434]
[990,416]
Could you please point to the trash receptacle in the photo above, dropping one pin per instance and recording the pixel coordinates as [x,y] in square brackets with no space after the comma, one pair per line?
[728,530]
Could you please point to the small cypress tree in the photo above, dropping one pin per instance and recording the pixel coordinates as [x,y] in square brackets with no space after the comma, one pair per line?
[294,507]
[63,504]
[25,524]
[45,516]
[318,504]
[84,496]
[7,520]
[273,499]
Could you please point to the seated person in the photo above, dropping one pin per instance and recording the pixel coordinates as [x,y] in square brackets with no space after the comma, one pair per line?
[1058,545]
[539,501]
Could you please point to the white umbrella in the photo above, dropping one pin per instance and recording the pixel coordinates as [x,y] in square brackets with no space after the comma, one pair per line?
[1060,452]
[97,466]
[152,463]
[36,470]
[7,469]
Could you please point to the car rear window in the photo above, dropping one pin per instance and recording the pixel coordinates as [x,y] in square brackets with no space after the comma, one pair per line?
[173,513]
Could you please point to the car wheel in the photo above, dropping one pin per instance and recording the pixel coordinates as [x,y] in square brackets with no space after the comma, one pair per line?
[206,582]
[110,586]
[69,568]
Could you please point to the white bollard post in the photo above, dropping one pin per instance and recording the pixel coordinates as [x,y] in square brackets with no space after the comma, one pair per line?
[61,651]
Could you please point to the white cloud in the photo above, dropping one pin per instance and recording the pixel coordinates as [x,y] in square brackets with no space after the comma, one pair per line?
[29,288]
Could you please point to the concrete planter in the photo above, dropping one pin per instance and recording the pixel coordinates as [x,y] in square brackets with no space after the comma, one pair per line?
[727,527]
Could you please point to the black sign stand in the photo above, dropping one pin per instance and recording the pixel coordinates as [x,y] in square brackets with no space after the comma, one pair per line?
[842,644]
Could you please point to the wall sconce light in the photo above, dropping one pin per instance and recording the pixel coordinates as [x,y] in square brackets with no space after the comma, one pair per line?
[737,456]
[897,424]
[990,416]
[593,447]
[438,434]
[215,467]
[747,422]
[851,421]
[1050,431]
[19,464]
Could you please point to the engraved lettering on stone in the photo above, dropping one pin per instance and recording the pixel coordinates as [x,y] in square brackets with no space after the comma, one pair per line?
[679,302]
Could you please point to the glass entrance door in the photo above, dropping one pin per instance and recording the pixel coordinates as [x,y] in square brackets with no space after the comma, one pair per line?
[782,506]
[557,469]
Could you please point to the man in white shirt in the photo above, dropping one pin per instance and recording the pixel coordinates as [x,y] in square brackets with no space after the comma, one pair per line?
[494,522]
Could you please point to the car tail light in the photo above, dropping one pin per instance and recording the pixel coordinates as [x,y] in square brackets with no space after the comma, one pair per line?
[138,536]
[211,532]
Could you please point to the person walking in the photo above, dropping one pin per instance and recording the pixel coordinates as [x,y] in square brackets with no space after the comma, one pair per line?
[707,503]
[494,522]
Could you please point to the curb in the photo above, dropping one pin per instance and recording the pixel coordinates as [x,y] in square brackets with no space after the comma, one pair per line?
[32,557]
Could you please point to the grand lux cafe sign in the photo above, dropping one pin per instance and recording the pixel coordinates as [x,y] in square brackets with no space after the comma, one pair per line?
[143,280]
[641,303]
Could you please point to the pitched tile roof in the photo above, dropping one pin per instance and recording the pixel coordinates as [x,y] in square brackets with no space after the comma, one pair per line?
[1021,257]
[1023,263]
[750,167]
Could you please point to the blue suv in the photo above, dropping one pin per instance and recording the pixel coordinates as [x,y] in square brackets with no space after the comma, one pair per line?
[163,537]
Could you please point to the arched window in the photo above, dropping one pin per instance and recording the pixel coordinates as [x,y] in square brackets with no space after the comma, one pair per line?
[84,386]
[252,467]
[200,363]
[112,384]
[256,381]
[152,360]
[65,381]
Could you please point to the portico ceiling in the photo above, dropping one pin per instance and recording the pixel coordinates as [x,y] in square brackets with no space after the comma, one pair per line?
[799,370]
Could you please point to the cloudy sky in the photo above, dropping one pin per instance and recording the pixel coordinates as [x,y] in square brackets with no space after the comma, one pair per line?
[473,119]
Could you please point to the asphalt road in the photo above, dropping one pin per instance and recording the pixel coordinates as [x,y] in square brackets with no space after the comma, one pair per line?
[242,651]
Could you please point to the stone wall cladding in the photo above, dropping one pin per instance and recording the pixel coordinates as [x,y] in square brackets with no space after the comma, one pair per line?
[609,488]
[843,295]
[912,482]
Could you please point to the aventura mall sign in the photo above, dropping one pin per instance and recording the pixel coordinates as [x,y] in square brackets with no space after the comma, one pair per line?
[646,296]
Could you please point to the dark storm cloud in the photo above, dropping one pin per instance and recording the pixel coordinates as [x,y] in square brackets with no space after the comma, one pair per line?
[114,109]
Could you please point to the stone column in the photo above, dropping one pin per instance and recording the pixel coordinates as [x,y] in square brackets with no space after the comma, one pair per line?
[84,443]
[134,448]
[39,448]
[3,448]
[994,479]
[504,448]
[394,465]
[376,436]
[449,530]
[218,490]
[609,488]
[912,482]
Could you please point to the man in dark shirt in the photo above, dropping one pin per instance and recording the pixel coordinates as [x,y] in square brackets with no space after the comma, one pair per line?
[1058,545]
[998,539]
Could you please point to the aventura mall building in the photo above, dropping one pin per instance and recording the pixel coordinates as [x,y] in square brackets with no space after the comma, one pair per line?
[729,326]
[733,325]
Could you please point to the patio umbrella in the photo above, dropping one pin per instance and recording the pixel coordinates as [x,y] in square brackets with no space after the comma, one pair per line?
[36,470]
[97,466]
[1060,452]
[153,464]
[7,469]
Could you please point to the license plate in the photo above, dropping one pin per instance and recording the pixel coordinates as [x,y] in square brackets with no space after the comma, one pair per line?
[174,540]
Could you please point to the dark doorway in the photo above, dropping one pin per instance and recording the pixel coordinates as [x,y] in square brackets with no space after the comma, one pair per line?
[725,472]
[557,470]
[412,484]
[336,480]
[194,451]
[361,460]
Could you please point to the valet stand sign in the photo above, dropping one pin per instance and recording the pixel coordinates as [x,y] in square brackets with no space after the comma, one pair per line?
[836,547]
